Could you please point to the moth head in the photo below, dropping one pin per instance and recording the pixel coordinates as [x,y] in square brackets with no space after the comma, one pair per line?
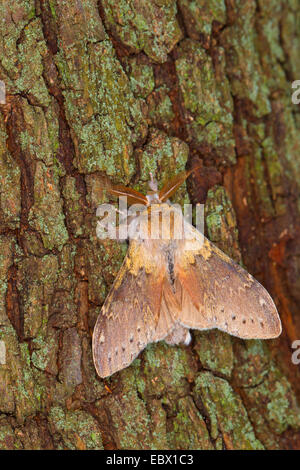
[153,194]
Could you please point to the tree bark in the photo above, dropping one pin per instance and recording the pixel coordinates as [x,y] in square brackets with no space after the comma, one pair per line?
[110,90]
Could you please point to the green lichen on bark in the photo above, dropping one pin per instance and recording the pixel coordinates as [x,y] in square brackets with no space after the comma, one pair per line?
[261,381]
[104,117]
[23,50]
[36,297]
[160,108]
[111,114]
[207,100]
[20,389]
[141,75]
[188,428]
[199,16]
[74,430]
[151,27]
[226,412]
[50,224]
[40,137]
[215,351]
[128,415]
[246,76]
[221,222]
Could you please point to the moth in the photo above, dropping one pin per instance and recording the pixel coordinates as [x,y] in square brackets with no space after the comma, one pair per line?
[167,286]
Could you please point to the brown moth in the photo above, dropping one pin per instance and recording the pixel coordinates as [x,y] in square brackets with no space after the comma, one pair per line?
[167,286]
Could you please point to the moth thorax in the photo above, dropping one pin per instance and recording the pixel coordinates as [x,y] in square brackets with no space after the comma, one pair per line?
[153,197]
[162,222]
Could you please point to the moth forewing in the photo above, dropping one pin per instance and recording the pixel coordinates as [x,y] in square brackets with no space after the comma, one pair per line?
[137,311]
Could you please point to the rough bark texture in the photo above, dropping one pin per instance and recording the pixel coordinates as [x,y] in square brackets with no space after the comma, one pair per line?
[113,89]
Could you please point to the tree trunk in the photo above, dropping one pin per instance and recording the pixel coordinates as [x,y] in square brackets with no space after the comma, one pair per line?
[110,90]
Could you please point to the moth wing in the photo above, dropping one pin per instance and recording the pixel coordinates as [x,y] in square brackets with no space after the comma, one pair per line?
[218,293]
[137,311]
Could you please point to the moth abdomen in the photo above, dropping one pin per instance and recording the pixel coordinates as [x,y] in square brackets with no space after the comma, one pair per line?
[170,264]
